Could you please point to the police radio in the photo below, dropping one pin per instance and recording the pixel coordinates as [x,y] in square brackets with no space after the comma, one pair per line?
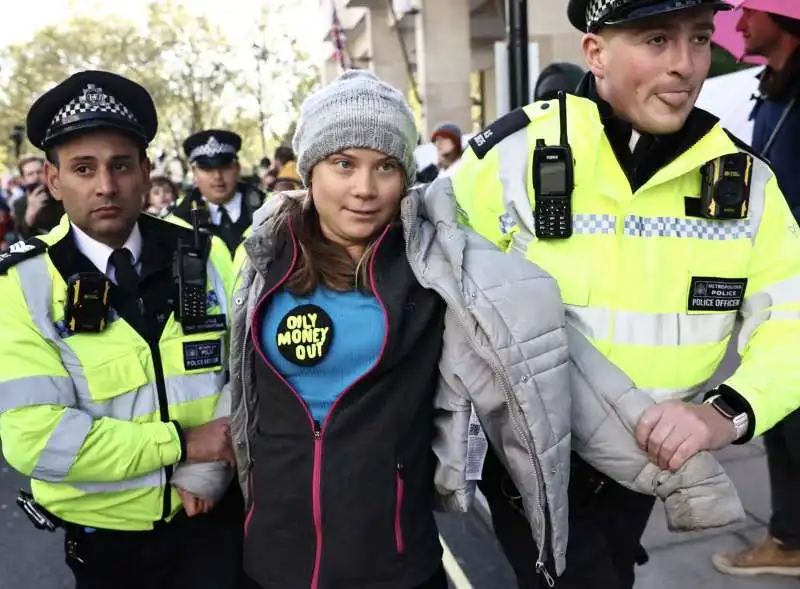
[553,182]
[725,187]
[189,272]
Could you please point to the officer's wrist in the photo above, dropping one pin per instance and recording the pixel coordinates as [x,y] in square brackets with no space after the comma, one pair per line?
[739,405]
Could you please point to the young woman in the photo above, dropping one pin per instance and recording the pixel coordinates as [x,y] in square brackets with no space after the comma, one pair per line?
[343,353]
[367,327]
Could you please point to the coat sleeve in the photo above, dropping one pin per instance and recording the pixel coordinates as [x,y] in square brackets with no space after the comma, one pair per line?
[207,480]
[451,423]
[768,378]
[605,409]
[45,435]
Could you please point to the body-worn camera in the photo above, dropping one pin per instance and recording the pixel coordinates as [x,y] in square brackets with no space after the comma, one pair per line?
[725,189]
[87,305]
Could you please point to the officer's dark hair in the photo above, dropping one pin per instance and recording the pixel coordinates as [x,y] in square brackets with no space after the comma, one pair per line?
[284,154]
[787,24]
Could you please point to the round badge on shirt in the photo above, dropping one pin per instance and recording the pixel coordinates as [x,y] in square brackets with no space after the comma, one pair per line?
[304,335]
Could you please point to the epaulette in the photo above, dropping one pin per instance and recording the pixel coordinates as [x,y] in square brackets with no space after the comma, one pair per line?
[506,125]
[19,252]
[745,147]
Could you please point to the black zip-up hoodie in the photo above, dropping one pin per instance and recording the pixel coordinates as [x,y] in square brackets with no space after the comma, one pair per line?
[347,504]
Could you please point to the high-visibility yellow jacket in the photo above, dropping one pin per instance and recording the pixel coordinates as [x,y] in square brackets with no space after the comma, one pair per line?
[81,413]
[639,276]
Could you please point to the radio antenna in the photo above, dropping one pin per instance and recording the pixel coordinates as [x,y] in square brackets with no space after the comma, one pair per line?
[562,116]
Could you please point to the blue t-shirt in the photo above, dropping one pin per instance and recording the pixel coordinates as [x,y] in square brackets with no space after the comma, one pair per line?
[322,343]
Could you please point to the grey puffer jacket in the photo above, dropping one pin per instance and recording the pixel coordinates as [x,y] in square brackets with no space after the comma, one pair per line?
[537,388]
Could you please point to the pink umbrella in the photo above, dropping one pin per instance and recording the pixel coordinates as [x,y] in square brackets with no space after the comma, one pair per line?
[726,35]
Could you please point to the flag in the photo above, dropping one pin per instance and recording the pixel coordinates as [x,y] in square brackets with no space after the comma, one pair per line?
[339,40]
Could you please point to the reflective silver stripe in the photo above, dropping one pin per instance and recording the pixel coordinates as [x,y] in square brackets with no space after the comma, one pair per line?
[151,479]
[63,446]
[36,390]
[651,329]
[513,160]
[685,228]
[781,293]
[218,287]
[183,388]
[683,393]
[757,308]
[592,224]
[758,194]
[37,287]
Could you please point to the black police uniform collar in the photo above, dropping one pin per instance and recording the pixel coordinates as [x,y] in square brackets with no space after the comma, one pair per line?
[657,150]
[159,240]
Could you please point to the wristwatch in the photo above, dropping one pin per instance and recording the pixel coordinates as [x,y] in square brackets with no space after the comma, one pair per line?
[741,421]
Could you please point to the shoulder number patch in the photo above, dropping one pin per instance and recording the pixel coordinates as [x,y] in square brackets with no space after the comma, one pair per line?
[716,294]
[20,251]
[506,125]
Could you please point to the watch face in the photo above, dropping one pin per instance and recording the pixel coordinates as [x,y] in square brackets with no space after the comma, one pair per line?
[724,408]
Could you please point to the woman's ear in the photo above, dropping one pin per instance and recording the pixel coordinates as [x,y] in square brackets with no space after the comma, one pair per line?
[594,51]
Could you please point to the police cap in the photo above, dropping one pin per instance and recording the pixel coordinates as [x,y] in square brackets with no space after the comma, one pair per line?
[212,148]
[92,100]
[590,15]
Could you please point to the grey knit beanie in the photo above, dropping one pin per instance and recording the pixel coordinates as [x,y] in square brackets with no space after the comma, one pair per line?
[357,110]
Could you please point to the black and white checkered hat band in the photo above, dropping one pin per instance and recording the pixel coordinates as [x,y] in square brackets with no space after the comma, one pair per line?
[212,148]
[597,9]
[93,100]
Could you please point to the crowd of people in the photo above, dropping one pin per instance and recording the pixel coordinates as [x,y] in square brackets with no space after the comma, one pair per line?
[273,384]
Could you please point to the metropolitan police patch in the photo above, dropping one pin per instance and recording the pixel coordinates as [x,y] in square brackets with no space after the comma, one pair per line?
[716,294]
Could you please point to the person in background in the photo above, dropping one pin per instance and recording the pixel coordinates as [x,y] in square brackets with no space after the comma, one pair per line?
[447,139]
[556,77]
[161,196]
[228,201]
[777,38]
[288,178]
[7,235]
[37,212]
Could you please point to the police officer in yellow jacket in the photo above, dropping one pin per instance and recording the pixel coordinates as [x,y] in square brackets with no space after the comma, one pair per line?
[114,354]
[227,202]
[663,232]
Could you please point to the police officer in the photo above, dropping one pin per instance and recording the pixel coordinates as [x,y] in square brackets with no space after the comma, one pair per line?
[663,231]
[109,378]
[230,203]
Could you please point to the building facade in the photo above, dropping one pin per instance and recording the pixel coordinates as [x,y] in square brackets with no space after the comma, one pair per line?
[447,56]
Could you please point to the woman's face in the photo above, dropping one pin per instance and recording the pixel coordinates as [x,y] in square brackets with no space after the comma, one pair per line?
[160,196]
[356,193]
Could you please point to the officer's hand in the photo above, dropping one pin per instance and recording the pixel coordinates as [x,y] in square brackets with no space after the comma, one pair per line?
[194,505]
[210,442]
[672,432]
